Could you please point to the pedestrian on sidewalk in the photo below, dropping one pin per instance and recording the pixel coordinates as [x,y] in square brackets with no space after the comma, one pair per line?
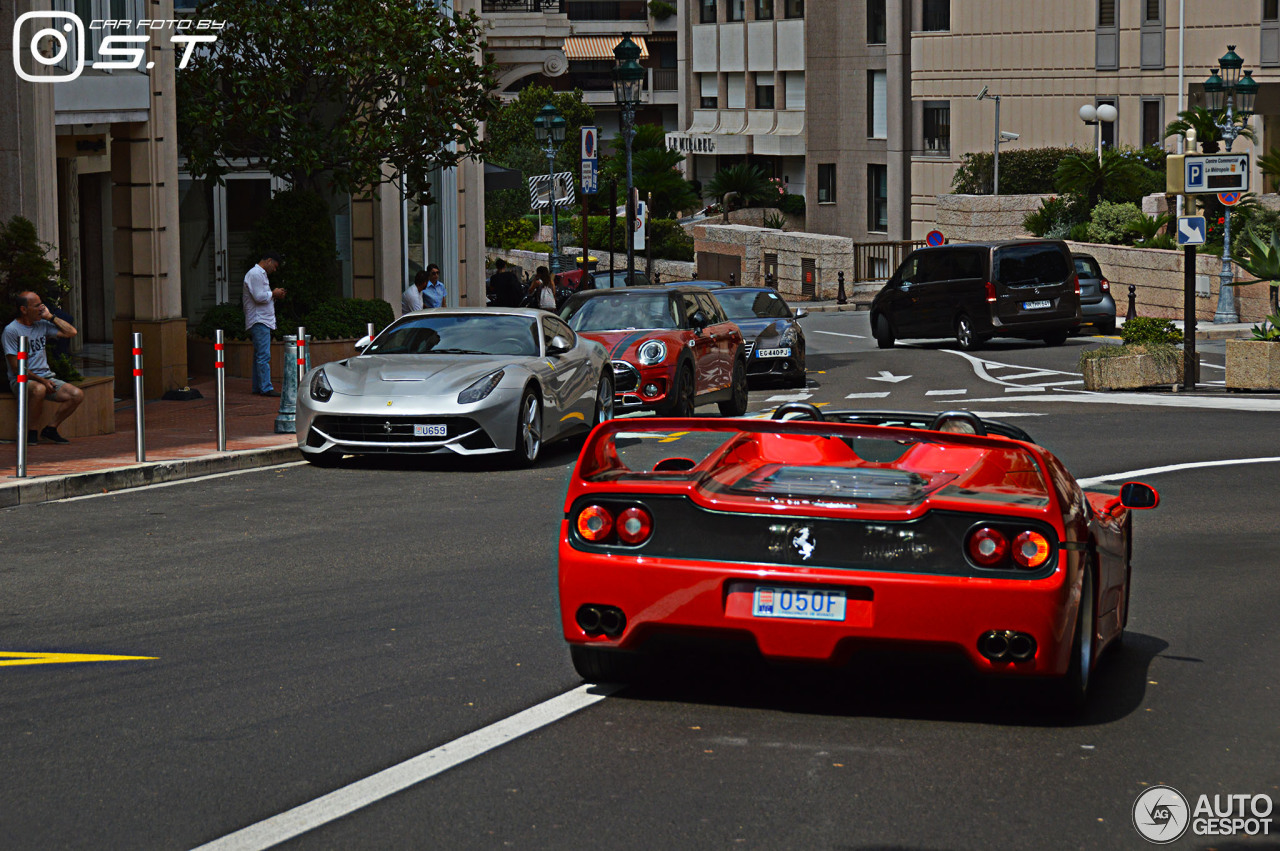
[259,302]
[426,291]
[507,291]
[35,322]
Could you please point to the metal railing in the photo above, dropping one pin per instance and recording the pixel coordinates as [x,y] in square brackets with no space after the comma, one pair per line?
[606,10]
[522,6]
[665,80]
[875,261]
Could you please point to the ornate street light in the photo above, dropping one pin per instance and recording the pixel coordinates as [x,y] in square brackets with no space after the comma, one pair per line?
[628,79]
[548,128]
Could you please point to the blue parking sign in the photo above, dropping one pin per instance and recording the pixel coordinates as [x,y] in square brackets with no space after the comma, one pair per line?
[1195,175]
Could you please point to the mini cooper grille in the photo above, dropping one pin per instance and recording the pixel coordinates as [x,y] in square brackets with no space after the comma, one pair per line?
[625,377]
[389,429]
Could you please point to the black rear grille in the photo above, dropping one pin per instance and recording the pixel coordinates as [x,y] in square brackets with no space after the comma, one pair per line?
[369,429]
[625,377]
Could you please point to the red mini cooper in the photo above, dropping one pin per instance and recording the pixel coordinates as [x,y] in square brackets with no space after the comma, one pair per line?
[672,348]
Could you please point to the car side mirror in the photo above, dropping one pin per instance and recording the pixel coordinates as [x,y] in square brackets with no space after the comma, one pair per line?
[1138,495]
[699,320]
[363,343]
[558,346]
[801,313]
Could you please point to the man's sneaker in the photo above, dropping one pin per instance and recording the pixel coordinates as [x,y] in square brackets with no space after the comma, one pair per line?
[33,437]
[50,434]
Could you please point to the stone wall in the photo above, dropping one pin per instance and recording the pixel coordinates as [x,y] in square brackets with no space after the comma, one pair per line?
[831,254]
[528,261]
[978,218]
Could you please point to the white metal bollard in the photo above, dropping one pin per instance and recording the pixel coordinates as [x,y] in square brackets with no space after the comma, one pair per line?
[22,407]
[220,370]
[138,424]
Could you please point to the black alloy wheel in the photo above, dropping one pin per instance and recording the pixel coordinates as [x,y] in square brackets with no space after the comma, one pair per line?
[965,338]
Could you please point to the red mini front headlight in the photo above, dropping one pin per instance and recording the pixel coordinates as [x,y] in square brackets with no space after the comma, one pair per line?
[594,523]
[634,526]
[987,547]
[1030,550]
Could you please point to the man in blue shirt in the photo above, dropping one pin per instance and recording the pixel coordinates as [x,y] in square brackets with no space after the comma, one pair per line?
[38,324]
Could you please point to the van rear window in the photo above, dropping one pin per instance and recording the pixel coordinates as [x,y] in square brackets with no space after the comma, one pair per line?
[1031,265]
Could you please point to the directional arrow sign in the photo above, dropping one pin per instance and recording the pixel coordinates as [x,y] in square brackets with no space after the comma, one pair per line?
[62,658]
[888,376]
[1191,230]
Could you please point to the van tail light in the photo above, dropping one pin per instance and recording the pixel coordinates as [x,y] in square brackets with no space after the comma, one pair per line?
[988,547]
[634,526]
[1104,285]
[1075,279]
[1030,550]
[594,523]
[991,292]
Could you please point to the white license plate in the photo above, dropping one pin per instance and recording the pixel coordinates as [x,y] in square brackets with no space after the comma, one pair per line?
[437,430]
[1036,305]
[770,602]
[773,353]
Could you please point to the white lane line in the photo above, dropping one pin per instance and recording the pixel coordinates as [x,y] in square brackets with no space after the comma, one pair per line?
[1172,468]
[1140,399]
[836,334]
[945,392]
[397,778]
[879,395]
[1061,383]
[1021,389]
[1004,415]
[790,397]
[211,476]
[1037,374]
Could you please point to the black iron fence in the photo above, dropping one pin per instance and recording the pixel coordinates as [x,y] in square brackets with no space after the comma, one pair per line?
[876,261]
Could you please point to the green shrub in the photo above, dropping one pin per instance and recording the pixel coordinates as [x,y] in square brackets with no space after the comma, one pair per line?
[777,221]
[64,369]
[1022,172]
[660,10]
[792,205]
[25,264]
[1079,232]
[229,316]
[509,232]
[1146,330]
[1111,223]
[532,245]
[344,318]
[298,225]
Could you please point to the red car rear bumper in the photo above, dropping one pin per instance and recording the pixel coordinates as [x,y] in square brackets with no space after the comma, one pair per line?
[670,597]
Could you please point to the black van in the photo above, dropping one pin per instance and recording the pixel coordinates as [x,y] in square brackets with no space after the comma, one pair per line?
[974,291]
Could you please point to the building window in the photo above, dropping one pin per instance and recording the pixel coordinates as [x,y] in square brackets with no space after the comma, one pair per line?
[878,198]
[709,89]
[937,127]
[764,10]
[1108,127]
[877,104]
[935,16]
[794,81]
[1270,48]
[793,8]
[708,8]
[735,10]
[1106,14]
[735,91]
[1152,122]
[1107,38]
[877,32]
[764,91]
[826,183]
[1151,36]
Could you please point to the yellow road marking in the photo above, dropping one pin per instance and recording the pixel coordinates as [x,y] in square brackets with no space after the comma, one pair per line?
[62,658]
[674,436]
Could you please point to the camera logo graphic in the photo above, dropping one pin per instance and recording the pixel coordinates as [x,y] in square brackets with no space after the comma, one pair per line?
[57,26]
[1161,815]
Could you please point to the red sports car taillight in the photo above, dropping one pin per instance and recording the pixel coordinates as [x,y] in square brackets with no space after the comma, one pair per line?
[991,292]
[1104,285]
[1030,550]
[594,523]
[987,547]
[634,526]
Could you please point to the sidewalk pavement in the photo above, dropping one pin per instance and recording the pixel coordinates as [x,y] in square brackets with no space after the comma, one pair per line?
[181,442]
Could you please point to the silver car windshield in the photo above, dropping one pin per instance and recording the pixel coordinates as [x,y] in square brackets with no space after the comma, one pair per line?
[623,312]
[473,334]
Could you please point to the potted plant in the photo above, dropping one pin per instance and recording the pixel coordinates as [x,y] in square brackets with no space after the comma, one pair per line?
[1255,364]
[1149,357]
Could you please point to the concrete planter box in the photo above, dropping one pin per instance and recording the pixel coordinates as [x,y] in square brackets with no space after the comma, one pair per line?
[96,415]
[1253,365]
[1130,373]
[239,356]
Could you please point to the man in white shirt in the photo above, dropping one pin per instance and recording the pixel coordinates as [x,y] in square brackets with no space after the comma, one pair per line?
[259,302]
[425,291]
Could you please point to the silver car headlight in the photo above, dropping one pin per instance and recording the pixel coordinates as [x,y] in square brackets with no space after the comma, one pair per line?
[480,389]
[652,352]
[321,391]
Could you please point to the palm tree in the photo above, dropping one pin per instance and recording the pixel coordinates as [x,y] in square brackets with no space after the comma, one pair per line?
[1262,260]
[1204,122]
[655,175]
[1083,174]
[743,184]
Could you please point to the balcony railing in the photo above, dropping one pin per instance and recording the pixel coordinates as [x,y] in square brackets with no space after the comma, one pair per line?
[522,5]
[606,10]
[664,80]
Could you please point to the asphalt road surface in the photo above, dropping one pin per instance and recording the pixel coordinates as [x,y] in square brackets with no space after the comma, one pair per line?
[307,629]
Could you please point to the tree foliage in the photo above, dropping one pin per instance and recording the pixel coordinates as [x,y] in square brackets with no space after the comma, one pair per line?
[26,263]
[1204,121]
[296,223]
[336,88]
[1023,171]
[1081,173]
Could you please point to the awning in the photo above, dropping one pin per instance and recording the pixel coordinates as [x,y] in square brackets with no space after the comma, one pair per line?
[599,46]
[496,177]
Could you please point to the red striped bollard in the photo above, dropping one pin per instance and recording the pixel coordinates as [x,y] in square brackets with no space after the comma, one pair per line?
[139,427]
[22,407]
[220,371]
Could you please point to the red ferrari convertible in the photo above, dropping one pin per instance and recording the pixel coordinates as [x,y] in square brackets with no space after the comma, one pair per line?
[814,537]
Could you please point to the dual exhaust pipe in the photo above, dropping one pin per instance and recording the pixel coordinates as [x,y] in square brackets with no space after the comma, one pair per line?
[601,620]
[1005,645]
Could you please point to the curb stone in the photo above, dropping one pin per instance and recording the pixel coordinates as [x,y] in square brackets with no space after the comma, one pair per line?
[39,489]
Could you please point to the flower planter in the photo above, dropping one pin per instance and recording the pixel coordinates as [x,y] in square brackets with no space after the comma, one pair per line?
[1253,365]
[239,356]
[96,415]
[1130,373]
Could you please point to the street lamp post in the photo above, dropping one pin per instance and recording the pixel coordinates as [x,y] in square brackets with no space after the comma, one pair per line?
[548,127]
[1094,116]
[628,77]
[1231,85]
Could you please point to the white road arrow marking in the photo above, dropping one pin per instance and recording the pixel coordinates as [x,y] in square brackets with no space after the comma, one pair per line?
[888,376]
